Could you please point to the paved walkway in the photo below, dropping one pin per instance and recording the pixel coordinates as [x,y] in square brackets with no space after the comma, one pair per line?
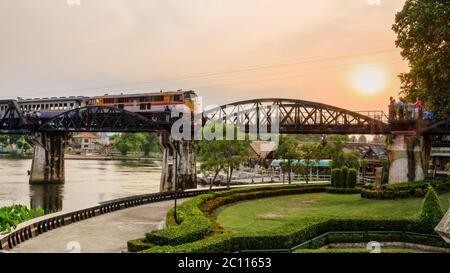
[106,233]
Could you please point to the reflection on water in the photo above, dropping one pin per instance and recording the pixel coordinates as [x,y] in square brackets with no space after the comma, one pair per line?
[87,183]
[48,197]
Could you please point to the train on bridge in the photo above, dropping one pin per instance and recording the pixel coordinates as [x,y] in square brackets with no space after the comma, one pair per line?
[142,103]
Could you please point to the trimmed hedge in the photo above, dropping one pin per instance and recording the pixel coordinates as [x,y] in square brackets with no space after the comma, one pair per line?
[344,178]
[338,178]
[406,190]
[344,183]
[431,212]
[342,190]
[138,245]
[193,214]
[289,235]
[437,183]
[352,178]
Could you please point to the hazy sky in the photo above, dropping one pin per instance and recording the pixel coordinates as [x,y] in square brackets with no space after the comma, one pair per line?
[226,50]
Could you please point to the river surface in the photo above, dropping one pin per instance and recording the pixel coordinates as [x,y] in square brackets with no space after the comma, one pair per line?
[88,182]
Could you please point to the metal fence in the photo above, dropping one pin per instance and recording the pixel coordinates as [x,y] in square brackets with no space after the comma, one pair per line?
[34,229]
[355,236]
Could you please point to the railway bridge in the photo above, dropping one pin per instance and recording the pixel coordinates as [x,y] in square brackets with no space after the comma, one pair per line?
[408,150]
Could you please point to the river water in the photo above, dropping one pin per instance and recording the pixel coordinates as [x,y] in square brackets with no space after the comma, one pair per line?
[88,182]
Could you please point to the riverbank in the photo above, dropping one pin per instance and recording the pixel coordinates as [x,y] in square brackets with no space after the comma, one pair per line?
[12,155]
[109,158]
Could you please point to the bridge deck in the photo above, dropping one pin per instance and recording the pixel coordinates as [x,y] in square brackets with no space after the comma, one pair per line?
[107,233]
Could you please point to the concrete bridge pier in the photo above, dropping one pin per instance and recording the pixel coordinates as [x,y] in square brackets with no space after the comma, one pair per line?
[408,157]
[178,164]
[48,158]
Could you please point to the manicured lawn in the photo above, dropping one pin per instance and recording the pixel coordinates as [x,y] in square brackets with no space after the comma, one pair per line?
[270,213]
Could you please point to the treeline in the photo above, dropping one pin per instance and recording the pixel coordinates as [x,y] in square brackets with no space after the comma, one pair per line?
[291,149]
[145,143]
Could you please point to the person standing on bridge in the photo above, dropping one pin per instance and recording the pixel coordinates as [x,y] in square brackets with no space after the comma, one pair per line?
[419,109]
[410,111]
[392,109]
[401,109]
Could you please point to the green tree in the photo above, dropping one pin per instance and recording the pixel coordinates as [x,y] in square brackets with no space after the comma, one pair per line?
[23,145]
[288,149]
[423,34]
[4,140]
[150,143]
[431,212]
[334,149]
[218,155]
[310,154]
[128,142]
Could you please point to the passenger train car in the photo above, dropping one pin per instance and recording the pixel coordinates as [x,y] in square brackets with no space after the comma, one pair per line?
[184,101]
[49,107]
[142,103]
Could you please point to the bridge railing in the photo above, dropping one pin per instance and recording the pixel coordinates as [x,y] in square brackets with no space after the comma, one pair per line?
[377,115]
[35,227]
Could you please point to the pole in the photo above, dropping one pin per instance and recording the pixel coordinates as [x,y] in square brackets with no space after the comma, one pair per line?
[176,184]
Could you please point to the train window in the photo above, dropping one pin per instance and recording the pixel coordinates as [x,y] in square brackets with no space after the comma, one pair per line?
[190,95]
[142,99]
[65,106]
[132,100]
[72,105]
[108,101]
[121,100]
[157,98]
[177,98]
[46,106]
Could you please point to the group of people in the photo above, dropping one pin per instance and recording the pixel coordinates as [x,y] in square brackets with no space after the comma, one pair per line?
[403,111]
[32,117]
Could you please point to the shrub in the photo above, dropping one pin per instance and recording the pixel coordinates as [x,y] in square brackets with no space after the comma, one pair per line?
[339,182]
[333,177]
[11,216]
[439,183]
[344,177]
[431,212]
[405,190]
[352,178]
[138,245]
[342,190]
[374,194]
[385,178]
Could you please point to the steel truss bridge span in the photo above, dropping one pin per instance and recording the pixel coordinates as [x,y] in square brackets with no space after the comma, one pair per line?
[295,117]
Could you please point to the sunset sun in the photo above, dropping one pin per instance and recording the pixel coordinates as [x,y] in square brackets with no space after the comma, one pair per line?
[369,80]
